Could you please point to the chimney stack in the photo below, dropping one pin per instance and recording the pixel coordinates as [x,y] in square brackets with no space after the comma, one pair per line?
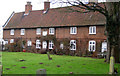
[28,7]
[46,5]
[93,1]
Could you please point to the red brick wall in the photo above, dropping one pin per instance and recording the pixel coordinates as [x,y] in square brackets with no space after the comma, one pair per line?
[82,32]
[82,35]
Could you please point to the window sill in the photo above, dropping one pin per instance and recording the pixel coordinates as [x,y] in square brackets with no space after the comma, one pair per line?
[92,33]
[73,33]
[51,34]
[38,34]
[73,49]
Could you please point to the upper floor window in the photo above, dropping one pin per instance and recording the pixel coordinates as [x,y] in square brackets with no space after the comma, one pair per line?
[12,32]
[92,45]
[22,31]
[73,45]
[73,30]
[51,31]
[44,33]
[29,43]
[11,40]
[51,44]
[92,30]
[38,31]
[38,44]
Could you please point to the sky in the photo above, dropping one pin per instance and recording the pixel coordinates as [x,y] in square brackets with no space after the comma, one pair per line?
[8,6]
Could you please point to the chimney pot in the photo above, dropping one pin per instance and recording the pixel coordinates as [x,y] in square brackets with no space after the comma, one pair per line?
[28,7]
[28,3]
[46,5]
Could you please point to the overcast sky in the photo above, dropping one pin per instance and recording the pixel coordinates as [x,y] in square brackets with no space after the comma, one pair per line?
[8,6]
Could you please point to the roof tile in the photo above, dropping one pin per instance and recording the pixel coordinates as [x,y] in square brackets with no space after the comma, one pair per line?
[55,18]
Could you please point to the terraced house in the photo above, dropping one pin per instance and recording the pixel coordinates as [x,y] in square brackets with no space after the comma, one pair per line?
[84,31]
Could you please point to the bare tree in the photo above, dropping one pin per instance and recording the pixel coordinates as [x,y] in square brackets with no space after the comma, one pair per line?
[111,11]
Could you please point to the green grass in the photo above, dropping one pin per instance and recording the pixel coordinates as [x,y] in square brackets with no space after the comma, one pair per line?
[77,65]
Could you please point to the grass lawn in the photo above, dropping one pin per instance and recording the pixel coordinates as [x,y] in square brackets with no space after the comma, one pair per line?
[59,65]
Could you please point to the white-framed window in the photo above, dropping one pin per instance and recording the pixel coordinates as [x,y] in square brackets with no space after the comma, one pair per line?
[104,47]
[22,31]
[11,40]
[12,32]
[29,43]
[51,31]
[72,44]
[92,30]
[92,45]
[44,33]
[38,31]
[44,44]
[38,44]
[5,42]
[73,30]
[51,44]
[61,46]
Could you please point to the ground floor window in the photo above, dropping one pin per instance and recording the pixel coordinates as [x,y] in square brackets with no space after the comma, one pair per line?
[104,47]
[29,43]
[73,45]
[38,44]
[51,44]
[5,42]
[44,45]
[61,46]
[92,45]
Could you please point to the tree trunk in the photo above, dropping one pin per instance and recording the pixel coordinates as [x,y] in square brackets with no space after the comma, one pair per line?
[119,37]
[108,52]
[116,54]
[113,29]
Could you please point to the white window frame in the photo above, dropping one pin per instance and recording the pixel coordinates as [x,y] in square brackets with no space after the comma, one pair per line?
[44,42]
[12,32]
[38,31]
[51,31]
[92,45]
[44,33]
[74,44]
[5,42]
[73,30]
[104,46]
[92,30]
[22,31]
[11,40]
[51,44]
[38,44]
[29,43]
[61,46]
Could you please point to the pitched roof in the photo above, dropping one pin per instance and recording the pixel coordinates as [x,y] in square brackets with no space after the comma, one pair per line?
[55,18]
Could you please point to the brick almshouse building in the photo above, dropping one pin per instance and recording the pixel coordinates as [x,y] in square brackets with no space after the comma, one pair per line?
[85,31]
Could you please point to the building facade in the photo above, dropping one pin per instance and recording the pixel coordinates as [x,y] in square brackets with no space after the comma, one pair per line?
[84,31]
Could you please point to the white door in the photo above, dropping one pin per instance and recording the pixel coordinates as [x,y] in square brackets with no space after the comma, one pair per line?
[44,45]
[104,46]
